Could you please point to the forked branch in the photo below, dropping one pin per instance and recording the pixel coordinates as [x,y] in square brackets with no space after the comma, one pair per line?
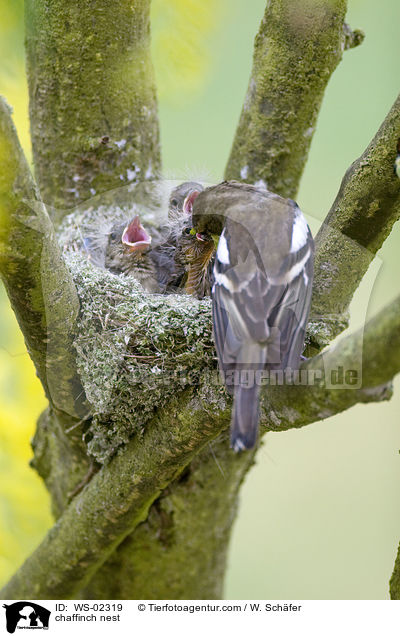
[38,283]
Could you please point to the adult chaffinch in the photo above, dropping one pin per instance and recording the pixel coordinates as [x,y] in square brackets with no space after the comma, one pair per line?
[261,293]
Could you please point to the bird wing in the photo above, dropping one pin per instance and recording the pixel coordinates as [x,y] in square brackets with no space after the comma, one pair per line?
[241,317]
[288,319]
[251,306]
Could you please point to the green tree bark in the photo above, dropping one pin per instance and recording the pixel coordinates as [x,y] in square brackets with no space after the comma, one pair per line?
[38,283]
[394,585]
[93,108]
[359,221]
[180,551]
[297,48]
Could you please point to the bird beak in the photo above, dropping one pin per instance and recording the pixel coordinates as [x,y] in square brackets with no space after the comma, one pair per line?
[135,236]
[188,202]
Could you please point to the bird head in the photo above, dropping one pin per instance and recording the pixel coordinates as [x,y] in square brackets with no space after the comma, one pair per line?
[207,217]
[181,196]
[126,244]
[197,246]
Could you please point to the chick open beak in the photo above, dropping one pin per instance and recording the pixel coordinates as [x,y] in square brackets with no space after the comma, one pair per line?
[135,236]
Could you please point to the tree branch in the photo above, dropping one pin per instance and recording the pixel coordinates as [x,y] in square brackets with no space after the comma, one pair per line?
[296,50]
[119,496]
[372,355]
[116,500]
[40,288]
[352,38]
[394,584]
[93,114]
[359,221]
[180,551]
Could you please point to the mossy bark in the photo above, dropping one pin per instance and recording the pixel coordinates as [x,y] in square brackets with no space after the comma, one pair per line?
[186,535]
[116,500]
[394,585]
[38,283]
[359,221]
[297,48]
[93,107]
[61,458]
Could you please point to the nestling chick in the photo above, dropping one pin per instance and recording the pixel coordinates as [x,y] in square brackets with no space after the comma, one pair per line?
[183,259]
[194,256]
[170,271]
[179,195]
[128,252]
[261,296]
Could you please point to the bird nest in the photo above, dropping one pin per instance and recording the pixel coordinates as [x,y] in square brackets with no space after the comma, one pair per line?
[135,350]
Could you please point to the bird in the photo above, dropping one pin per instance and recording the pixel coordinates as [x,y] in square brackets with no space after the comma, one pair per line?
[128,252]
[166,256]
[261,292]
[181,197]
[183,258]
[193,256]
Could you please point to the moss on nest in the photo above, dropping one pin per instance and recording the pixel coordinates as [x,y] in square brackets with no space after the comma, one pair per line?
[135,350]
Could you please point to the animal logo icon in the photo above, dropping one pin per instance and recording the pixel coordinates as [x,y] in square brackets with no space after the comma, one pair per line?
[26,615]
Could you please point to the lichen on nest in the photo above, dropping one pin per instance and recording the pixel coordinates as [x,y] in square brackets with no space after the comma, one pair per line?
[135,350]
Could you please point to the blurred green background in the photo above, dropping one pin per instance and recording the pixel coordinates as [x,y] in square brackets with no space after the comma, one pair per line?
[320,512]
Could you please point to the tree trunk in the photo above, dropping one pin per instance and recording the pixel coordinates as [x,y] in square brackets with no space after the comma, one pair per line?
[297,48]
[93,107]
[180,551]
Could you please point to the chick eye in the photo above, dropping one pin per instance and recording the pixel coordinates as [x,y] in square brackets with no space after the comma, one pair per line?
[174,203]
[187,231]
[113,236]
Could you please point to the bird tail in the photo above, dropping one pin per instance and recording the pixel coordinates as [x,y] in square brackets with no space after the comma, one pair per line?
[245,416]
